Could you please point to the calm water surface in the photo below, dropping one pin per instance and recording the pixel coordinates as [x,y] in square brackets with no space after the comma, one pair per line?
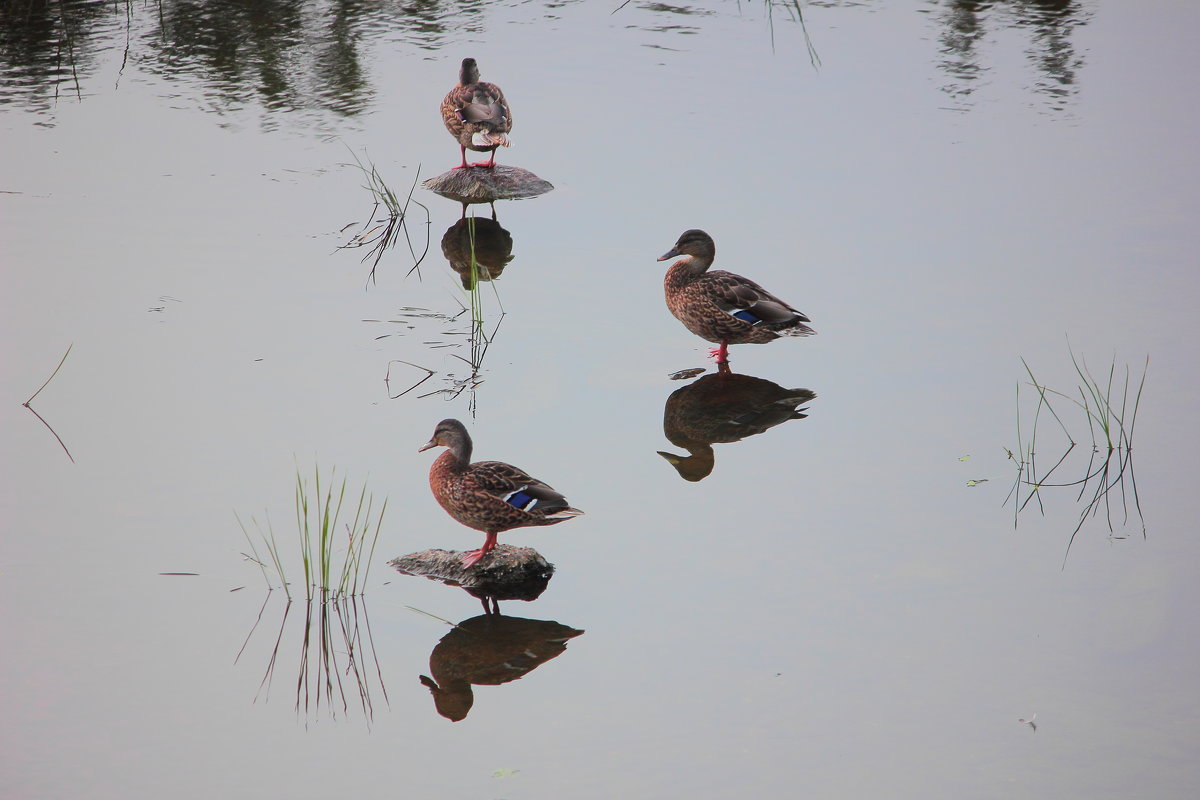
[840,606]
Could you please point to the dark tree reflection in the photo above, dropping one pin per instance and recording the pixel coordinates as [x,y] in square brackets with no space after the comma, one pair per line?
[1047,24]
[46,48]
[286,55]
[292,55]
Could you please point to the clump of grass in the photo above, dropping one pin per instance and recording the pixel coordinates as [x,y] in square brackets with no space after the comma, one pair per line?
[335,559]
[1109,407]
[336,533]
[387,220]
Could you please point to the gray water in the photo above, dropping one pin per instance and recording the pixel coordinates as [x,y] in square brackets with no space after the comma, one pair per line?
[844,607]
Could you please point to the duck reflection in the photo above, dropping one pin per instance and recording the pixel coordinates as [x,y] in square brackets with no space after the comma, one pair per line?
[724,407]
[485,240]
[489,650]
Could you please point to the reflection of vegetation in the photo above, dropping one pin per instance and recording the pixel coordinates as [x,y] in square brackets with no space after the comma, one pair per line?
[381,234]
[1049,25]
[336,564]
[45,45]
[285,55]
[46,383]
[336,657]
[1110,420]
[474,275]
[793,9]
[308,55]
[478,342]
[317,516]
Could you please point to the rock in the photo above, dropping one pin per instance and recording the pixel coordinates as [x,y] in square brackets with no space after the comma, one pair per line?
[506,573]
[487,184]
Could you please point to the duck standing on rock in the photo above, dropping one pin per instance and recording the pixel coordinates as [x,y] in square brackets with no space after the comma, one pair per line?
[489,496]
[720,306]
[476,114]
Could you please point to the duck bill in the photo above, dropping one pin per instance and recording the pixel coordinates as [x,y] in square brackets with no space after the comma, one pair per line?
[669,254]
[431,443]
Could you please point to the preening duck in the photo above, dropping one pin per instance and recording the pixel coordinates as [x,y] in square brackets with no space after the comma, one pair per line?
[476,114]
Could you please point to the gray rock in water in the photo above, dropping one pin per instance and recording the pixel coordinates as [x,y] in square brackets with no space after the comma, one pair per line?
[506,573]
[487,184]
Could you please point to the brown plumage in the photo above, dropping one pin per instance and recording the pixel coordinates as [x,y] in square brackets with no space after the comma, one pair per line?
[489,496]
[721,306]
[476,114]
[721,408]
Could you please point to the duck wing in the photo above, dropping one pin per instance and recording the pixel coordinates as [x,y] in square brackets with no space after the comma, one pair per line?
[734,293]
[517,488]
[486,106]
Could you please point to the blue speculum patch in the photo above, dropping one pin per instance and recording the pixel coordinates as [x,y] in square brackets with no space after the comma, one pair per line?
[746,316]
[520,499]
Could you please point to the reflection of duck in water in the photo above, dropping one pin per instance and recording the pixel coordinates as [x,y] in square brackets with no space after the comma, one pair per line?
[490,244]
[489,650]
[720,306]
[476,114]
[721,408]
[489,496]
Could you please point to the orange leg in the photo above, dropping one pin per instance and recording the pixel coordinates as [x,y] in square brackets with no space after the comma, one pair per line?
[721,354]
[470,557]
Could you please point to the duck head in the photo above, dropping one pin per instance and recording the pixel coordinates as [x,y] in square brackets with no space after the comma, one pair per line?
[693,244]
[469,72]
[452,434]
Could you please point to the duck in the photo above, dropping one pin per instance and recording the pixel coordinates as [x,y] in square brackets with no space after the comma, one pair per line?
[489,496]
[477,115]
[720,306]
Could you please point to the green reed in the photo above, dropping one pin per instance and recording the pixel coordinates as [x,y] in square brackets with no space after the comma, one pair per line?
[335,555]
[1108,405]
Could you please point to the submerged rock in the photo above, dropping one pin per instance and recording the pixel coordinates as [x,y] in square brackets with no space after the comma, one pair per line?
[486,184]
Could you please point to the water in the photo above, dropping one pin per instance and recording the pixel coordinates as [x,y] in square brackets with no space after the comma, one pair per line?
[950,189]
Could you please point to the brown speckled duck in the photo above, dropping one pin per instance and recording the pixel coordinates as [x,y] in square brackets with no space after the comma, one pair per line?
[720,306]
[489,496]
[476,114]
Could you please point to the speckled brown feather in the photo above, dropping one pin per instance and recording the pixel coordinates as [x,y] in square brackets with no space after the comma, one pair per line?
[473,493]
[704,300]
[476,107]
